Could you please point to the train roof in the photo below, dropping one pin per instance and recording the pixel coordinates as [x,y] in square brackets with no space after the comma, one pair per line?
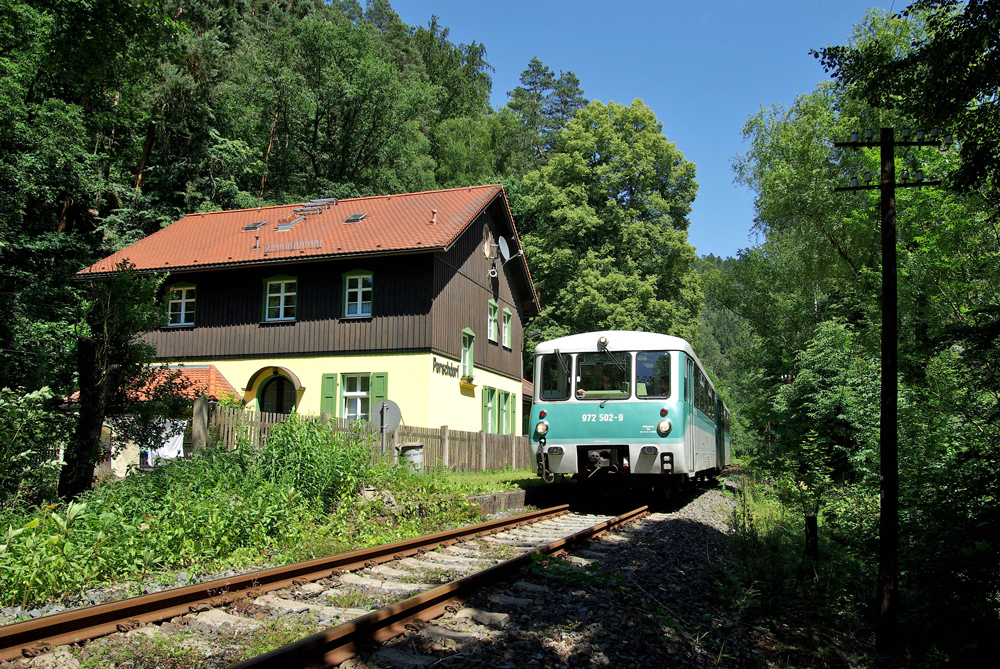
[618,340]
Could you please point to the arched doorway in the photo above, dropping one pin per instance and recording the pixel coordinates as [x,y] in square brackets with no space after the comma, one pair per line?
[277,395]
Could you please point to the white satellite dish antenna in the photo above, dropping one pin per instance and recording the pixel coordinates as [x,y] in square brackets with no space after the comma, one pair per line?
[504,249]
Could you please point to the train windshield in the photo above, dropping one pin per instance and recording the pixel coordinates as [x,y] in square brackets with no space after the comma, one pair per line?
[603,375]
[652,374]
[553,376]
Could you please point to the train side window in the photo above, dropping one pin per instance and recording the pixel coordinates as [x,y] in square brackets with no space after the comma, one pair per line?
[652,374]
[553,376]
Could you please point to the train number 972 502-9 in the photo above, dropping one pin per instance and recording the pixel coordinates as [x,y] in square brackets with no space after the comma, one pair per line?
[602,417]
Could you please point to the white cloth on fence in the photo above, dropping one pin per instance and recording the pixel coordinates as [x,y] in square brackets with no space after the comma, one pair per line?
[173,442]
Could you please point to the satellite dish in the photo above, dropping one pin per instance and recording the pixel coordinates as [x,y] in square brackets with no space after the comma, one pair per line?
[386,416]
[504,250]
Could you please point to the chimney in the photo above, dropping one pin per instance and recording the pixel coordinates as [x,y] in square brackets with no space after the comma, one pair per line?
[434,217]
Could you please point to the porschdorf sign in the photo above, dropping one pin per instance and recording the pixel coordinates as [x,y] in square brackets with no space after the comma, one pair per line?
[444,368]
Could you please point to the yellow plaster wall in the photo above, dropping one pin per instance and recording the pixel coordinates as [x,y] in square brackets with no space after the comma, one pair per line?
[426,398]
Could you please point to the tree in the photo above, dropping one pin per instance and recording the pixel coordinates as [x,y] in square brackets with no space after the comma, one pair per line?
[545,104]
[947,77]
[813,279]
[605,225]
[115,376]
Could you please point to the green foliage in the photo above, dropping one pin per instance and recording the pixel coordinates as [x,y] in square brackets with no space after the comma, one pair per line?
[306,493]
[769,579]
[309,457]
[947,78]
[605,227]
[31,432]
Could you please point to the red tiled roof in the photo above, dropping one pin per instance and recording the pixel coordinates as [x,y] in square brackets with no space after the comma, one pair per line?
[207,381]
[393,223]
[203,380]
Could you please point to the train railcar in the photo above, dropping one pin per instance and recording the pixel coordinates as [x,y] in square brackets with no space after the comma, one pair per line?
[636,406]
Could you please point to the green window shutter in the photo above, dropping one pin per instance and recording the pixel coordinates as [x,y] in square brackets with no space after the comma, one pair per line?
[486,414]
[496,409]
[513,413]
[503,415]
[328,398]
[379,388]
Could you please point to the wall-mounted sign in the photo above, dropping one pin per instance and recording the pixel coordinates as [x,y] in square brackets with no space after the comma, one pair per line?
[445,368]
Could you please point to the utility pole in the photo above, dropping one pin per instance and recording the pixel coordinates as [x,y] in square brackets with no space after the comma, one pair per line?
[888,527]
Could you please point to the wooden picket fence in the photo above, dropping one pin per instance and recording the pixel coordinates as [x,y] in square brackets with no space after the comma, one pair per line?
[456,450]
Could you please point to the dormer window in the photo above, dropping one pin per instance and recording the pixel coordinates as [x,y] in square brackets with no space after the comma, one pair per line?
[180,304]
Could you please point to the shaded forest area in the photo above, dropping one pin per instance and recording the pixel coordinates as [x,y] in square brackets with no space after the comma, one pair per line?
[120,117]
[797,321]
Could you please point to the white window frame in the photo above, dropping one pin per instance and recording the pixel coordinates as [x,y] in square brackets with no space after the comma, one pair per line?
[284,296]
[468,348]
[353,400]
[354,295]
[489,402]
[491,321]
[507,319]
[185,297]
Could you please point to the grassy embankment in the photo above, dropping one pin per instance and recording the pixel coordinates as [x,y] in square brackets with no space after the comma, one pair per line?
[306,493]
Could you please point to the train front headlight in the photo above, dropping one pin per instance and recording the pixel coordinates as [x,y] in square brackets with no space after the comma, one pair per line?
[648,450]
[541,428]
[555,450]
[663,427]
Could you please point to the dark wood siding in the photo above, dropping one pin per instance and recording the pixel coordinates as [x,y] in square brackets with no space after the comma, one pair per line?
[229,311]
[463,289]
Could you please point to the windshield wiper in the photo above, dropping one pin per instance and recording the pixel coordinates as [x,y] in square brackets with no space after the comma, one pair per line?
[562,364]
[618,363]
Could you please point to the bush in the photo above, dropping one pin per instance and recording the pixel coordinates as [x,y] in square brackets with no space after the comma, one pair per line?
[31,434]
[315,460]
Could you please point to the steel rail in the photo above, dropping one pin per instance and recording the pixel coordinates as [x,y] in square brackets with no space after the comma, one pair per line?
[340,643]
[32,637]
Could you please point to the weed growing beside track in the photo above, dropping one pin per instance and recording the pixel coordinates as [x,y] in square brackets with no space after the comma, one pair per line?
[785,605]
[307,492]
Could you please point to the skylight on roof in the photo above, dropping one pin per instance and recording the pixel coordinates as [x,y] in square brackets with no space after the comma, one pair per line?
[285,226]
[354,218]
[257,225]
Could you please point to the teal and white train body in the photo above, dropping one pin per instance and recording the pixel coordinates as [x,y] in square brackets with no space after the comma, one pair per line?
[633,405]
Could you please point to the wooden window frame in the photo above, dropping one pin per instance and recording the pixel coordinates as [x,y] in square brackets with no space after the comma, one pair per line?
[508,318]
[183,300]
[281,280]
[468,353]
[491,321]
[358,275]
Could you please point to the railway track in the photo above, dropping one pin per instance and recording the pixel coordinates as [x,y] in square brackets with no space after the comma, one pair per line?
[464,559]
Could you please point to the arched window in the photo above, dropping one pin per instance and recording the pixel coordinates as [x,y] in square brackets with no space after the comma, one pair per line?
[277,396]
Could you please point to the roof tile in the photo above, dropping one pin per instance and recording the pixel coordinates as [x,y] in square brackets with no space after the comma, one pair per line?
[393,223]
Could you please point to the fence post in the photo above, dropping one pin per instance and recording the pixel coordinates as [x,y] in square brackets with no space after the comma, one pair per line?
[444,446]
[482,444]
[395,443]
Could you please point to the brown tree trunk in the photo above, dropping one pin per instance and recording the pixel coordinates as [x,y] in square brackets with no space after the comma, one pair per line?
[267,156]
[812,539]
[84,449]
[147,149]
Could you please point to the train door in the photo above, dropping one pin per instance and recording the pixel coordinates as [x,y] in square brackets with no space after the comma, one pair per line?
[692,413]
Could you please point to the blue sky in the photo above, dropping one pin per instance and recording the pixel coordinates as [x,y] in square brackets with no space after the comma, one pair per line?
[703,67]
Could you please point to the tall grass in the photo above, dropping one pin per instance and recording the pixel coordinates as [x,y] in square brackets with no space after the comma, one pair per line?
[770,571]
[306,492]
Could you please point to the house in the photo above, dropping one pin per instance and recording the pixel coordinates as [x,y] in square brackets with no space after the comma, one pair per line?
[332,306]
